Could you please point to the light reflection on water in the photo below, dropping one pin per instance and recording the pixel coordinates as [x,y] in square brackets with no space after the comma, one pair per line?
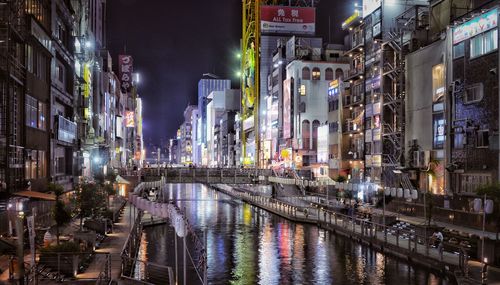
[249,246]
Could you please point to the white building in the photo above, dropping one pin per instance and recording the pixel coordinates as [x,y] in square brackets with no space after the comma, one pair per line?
[306,98]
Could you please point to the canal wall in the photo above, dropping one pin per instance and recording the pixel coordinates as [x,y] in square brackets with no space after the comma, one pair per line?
[368,233]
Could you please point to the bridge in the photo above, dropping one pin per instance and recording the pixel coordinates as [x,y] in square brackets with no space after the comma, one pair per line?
[300,178]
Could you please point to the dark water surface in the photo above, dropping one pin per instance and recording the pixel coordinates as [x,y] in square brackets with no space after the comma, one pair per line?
[247,245]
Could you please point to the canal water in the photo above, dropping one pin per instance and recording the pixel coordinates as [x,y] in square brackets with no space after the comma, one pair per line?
[247,245]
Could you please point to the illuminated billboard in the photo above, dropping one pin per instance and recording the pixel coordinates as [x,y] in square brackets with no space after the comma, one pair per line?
[281,19]
[129,119]
[125,68]
[475,26]
[287,112]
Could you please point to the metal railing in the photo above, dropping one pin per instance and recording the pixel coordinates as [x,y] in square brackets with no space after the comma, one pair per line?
[407,241]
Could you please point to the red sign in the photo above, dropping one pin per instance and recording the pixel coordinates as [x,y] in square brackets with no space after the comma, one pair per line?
[125,65]
[281,19]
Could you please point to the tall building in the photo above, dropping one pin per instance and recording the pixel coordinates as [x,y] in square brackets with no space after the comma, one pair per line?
[207,84]
[274,23]
[187,135]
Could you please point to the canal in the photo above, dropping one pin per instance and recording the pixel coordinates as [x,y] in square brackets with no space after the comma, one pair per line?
[247,245]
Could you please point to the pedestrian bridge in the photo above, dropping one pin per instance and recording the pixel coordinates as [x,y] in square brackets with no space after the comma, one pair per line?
[230,176]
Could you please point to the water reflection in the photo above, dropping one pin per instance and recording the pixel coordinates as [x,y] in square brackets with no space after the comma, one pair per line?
[246,245]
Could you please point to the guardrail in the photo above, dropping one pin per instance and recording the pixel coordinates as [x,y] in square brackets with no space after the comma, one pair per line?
[395,237]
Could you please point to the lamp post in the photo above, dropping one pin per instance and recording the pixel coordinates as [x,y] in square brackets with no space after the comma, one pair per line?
[16,207]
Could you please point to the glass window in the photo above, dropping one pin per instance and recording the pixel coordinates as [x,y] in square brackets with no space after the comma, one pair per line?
[458,50]
[42,115]
[306,73]
[482,138]
[484,43]
[438,84]
[41,164]
[316,74]
[328,74]
[473,93]
[31,112]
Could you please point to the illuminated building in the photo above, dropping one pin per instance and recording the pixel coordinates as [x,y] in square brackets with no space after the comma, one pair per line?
[258,43]
[187,135]
[207,84]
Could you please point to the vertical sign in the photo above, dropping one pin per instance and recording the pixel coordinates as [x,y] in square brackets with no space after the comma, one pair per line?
[125,65]
[287,112]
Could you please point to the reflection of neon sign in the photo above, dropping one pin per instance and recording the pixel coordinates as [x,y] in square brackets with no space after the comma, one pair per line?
[475,26]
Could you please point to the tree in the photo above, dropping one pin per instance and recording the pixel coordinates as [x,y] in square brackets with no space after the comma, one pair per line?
[60,214]
[492,191]
[90,201]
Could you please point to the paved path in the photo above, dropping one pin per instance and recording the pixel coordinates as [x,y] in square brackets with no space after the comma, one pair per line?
[112,244]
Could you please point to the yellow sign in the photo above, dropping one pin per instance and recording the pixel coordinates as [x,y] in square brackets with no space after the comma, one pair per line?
[351,19]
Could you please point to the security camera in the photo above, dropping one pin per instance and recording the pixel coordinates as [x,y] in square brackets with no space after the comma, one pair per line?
[493,71]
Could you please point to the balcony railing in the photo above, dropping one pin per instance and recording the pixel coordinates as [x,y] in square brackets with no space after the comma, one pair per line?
[66,129]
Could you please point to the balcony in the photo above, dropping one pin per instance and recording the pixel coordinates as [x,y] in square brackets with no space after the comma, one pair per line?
[352,127]
[355,73]
[66,129]
[352,100]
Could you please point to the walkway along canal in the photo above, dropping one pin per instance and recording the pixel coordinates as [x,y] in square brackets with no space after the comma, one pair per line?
[403,244]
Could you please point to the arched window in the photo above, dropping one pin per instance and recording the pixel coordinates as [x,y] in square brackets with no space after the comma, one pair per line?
[329,74]
[315,135]
[306,134]
[306,73]
[316,74]
[339,73]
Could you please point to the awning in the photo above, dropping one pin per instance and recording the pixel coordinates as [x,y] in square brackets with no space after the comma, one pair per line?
[121,180]
[36,195]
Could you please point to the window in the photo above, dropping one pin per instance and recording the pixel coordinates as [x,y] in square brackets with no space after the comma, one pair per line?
[333,105]
[329,74]
[42,115]
[438,84]
[459,138]
[473,93]
[339,73]
[333,127]
[60,73]
[483,43]
[458,50]
[31,112]
[316,74]
[29,58]
[377,147]
[482,138]
[31,164]
[42,164]
[315,127]
[306,134]
[306,73]
[36,113]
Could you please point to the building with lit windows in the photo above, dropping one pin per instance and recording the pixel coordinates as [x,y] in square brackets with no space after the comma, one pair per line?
[306,109]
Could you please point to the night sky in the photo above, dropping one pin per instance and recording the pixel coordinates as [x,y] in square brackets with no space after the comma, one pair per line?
[174,42]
